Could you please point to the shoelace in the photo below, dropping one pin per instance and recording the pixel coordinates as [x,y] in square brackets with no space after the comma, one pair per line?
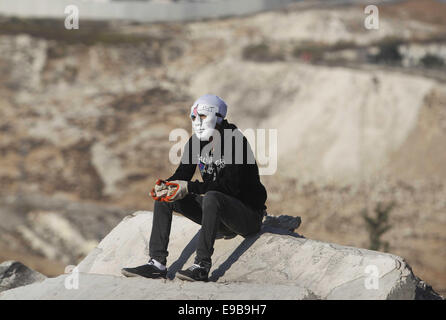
[152,263]
[194,266]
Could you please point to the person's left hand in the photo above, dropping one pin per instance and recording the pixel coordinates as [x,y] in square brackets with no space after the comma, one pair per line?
[177,189]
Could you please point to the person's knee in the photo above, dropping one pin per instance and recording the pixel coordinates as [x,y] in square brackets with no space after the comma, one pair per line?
[213,198]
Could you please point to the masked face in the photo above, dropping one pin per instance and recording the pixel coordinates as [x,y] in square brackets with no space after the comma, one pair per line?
[204,119]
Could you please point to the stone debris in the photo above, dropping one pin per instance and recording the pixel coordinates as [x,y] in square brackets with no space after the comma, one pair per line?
[14,274]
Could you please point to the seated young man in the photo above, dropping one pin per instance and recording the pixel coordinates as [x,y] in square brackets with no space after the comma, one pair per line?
[229,201]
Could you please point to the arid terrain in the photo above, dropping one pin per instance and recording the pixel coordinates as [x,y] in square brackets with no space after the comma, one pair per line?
[85,117]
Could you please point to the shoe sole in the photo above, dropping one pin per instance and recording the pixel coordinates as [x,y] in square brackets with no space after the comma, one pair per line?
[226,237]
[183,277]
[132,275]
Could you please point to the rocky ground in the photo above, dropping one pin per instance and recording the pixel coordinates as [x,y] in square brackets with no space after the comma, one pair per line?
[275,263]
[85,118]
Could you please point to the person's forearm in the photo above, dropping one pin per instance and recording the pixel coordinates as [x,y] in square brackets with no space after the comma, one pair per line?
[184,172]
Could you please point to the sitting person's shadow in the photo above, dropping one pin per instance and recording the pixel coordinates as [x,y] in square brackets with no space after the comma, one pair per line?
[283,225]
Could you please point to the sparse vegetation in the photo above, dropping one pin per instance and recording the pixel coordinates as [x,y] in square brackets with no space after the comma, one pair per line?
[310,52]
[90,33]
[314,52]
[343,45]
[388,52]
[261,52]
[432,61]
[378,225]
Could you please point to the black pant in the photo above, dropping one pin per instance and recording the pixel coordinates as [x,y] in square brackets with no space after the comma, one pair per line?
[215,211]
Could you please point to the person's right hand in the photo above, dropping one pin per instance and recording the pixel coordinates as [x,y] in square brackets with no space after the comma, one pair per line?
[159,191]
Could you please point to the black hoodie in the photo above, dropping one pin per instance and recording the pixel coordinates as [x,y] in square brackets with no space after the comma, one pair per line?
[239,179]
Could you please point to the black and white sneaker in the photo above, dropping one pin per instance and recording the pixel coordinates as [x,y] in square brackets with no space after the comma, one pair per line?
[196,272]
[153,270]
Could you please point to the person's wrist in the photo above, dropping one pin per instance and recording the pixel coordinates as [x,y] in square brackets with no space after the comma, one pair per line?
[190,187]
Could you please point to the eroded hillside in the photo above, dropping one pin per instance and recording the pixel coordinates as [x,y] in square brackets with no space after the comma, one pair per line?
[86,118]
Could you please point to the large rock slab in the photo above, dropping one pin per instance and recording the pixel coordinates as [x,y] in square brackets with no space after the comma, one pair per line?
[128,244]
[93,286]
[275,256]
[14,274]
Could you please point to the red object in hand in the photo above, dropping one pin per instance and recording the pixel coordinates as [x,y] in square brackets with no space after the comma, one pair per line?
[177,190]
[168,198]
[158,182]
[169,191]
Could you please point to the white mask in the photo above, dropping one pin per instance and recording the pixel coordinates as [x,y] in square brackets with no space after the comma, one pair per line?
[205,113]
[203,128]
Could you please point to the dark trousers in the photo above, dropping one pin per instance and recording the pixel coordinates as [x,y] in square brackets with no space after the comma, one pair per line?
[214,211]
